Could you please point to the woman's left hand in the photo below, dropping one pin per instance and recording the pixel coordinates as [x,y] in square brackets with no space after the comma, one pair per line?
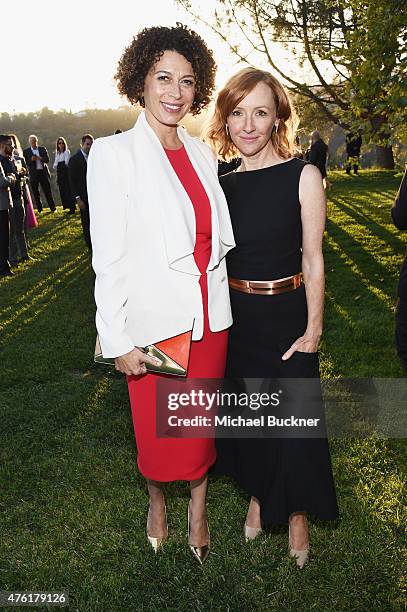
[304,344]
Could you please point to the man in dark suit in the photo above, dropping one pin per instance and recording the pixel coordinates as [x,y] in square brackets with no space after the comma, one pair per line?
[37,159]
[17,242]
[77,169]
[399,216]
[7,180]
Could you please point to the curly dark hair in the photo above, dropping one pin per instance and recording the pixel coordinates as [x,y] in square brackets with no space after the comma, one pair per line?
[146,49]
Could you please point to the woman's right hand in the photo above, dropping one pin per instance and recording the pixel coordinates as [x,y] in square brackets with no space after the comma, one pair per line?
[134,362]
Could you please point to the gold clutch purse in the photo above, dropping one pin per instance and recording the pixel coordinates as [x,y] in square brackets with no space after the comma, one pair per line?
[173,353]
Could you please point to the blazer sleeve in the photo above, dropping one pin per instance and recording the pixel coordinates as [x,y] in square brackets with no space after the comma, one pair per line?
[399,210]
[108,208]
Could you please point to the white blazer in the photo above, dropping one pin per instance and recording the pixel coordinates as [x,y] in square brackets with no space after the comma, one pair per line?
[142,225]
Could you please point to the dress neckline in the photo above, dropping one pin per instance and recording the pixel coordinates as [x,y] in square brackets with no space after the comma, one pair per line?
[264,168]
[174,150]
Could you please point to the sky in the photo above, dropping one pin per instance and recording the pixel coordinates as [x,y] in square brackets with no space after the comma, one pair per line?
[66,52]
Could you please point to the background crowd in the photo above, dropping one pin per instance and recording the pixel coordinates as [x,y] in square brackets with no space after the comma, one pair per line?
[21,170]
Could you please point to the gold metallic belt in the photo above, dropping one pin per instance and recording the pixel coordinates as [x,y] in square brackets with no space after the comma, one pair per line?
[281,285]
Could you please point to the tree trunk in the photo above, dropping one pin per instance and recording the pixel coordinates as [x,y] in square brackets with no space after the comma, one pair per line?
[384,154]
[384,157]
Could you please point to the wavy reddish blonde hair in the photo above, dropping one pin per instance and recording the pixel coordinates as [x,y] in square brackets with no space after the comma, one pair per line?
[237,88]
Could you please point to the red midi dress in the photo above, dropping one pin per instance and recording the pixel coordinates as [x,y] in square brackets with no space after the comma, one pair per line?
[168,459]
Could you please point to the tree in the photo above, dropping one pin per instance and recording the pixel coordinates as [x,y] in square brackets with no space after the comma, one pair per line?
[353,51]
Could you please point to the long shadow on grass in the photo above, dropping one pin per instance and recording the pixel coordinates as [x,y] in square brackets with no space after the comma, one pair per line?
[368,267]
[371,225]
[20,292]
[46,232]
[51,289]
[345,283]
[356,321]
[53,241]
[47,227]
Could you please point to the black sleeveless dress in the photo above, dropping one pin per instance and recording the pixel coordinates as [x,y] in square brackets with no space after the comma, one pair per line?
[285,474]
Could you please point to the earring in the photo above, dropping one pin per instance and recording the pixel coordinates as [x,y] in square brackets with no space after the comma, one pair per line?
[277,138]
[227,130]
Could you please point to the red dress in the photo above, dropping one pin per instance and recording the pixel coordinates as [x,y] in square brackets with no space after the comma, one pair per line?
[168,459]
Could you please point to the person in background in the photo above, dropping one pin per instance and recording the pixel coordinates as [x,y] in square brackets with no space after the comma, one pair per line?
[6,204]
[399,216]
[30,219]
[317,155]
[353,145]
[77,168]
[37,159]
[61,161]
[298,153]
[18,245]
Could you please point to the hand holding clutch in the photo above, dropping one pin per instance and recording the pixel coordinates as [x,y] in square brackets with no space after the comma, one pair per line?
[169,356]
[135,362]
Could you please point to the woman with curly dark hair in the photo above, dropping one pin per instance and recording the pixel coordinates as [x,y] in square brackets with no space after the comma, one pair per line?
[160,230]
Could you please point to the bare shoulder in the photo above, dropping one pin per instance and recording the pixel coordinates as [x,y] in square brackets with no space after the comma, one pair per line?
[310,176]
[311,188]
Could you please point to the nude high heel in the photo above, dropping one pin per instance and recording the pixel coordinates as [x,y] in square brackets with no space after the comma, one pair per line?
[251,533]
[301,556]
[156,543]
[200,552]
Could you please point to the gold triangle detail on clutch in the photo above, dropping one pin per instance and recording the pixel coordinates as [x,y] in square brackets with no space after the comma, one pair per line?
[168,365]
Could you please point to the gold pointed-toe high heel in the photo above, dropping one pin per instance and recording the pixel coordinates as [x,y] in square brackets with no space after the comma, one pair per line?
[157,542]
[301,556]
[251,533]
[200,552]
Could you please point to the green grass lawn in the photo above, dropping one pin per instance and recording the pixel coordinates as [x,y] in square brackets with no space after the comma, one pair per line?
[72,504]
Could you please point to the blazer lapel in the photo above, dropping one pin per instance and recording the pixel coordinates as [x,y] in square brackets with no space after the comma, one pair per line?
[222,233]
[176,210]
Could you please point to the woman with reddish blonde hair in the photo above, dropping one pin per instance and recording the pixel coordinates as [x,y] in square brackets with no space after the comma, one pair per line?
[276,279]
[282,136]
